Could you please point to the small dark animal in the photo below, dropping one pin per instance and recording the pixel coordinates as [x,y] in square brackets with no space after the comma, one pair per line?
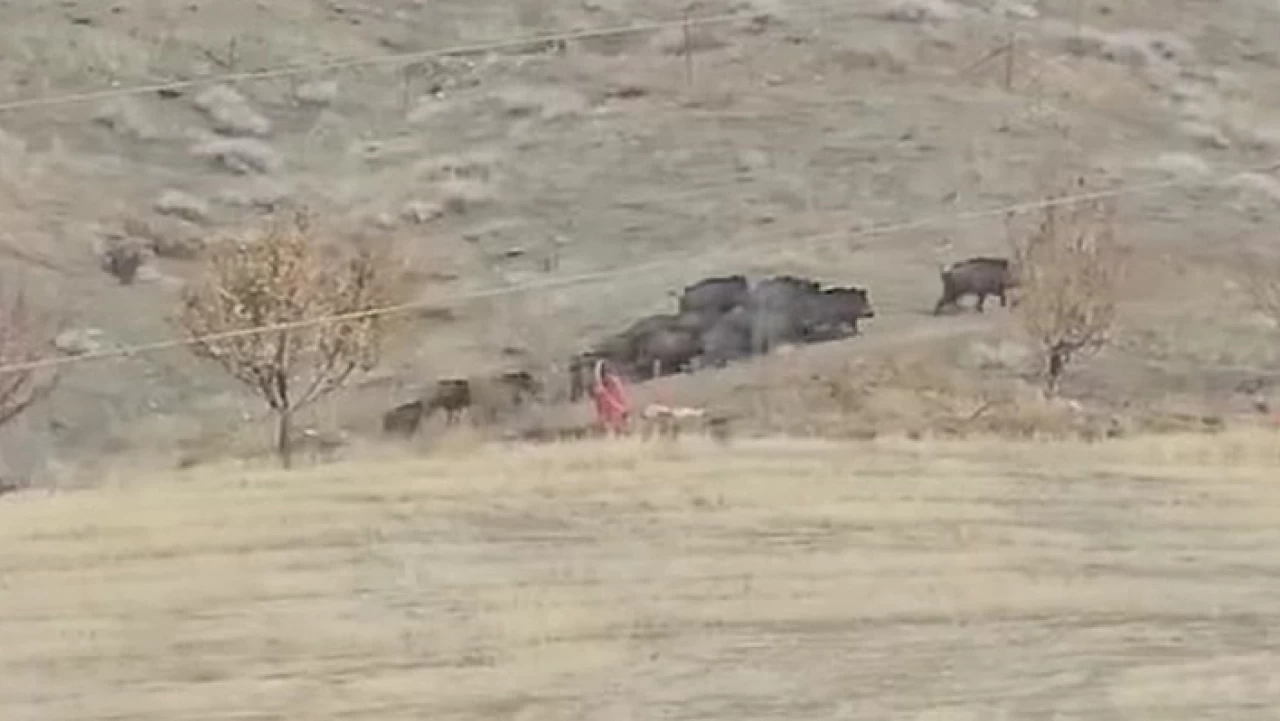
[695,321]
[665,351]
[490,395]
[404,419]
[980,276]
[452,395]
[835,313]
[648,324]
[495,395]
[692,320]
[787,309]
[620,348]
[781,291]
[716,295]
[777,309]
[521,385]
[665,342]
[123,260]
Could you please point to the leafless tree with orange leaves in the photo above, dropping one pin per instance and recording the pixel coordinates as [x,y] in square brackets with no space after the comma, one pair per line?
[288,317]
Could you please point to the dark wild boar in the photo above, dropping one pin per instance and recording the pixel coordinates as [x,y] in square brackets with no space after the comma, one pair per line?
[716,295]
[980,276]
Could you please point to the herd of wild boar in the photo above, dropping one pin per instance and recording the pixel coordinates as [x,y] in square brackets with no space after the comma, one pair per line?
[717,320]
[724,318]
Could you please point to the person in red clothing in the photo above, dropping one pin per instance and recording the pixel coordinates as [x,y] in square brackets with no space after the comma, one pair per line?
[610,397]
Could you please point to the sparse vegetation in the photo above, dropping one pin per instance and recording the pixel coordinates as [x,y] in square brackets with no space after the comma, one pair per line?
[1264,286]
[166,237]
[242,156]
[230,113]
[26,335]
[281,281]
[182,205]
[1069,268]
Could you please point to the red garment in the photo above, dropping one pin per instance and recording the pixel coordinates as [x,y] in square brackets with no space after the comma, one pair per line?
[610,397]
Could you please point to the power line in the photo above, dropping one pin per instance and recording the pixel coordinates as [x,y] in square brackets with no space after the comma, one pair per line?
[821,8]
[709,191]
[410,57]
[632,270]
[405,58]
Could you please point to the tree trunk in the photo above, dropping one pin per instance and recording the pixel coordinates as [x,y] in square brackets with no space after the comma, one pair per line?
[1057,364]
[284,438]
[284,404]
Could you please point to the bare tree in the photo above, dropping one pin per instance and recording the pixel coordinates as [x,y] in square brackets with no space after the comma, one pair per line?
[1264,287]
[1069,270]
[26,338]
[289,318]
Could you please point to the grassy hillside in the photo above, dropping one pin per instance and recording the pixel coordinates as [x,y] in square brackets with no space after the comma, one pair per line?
[761,145]
[769,580]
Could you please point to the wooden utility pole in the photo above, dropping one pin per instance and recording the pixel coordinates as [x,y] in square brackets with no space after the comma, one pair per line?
[1010,59]
[688,47]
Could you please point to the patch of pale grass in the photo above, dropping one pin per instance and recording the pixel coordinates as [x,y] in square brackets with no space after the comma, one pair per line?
[230,112]
[240,155]
[544,103]
[255,191]
[1256,185]
[481,165]
[464,196]
[91,55]
[462,459]
[318,92]
[127,117]
[182,205]
[1248,450]
[483,577]
[176,41]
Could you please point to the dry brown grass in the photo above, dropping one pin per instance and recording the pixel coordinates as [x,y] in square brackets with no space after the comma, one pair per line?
[775,579]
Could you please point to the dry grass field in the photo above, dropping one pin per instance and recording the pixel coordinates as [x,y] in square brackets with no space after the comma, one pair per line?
[772,579]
